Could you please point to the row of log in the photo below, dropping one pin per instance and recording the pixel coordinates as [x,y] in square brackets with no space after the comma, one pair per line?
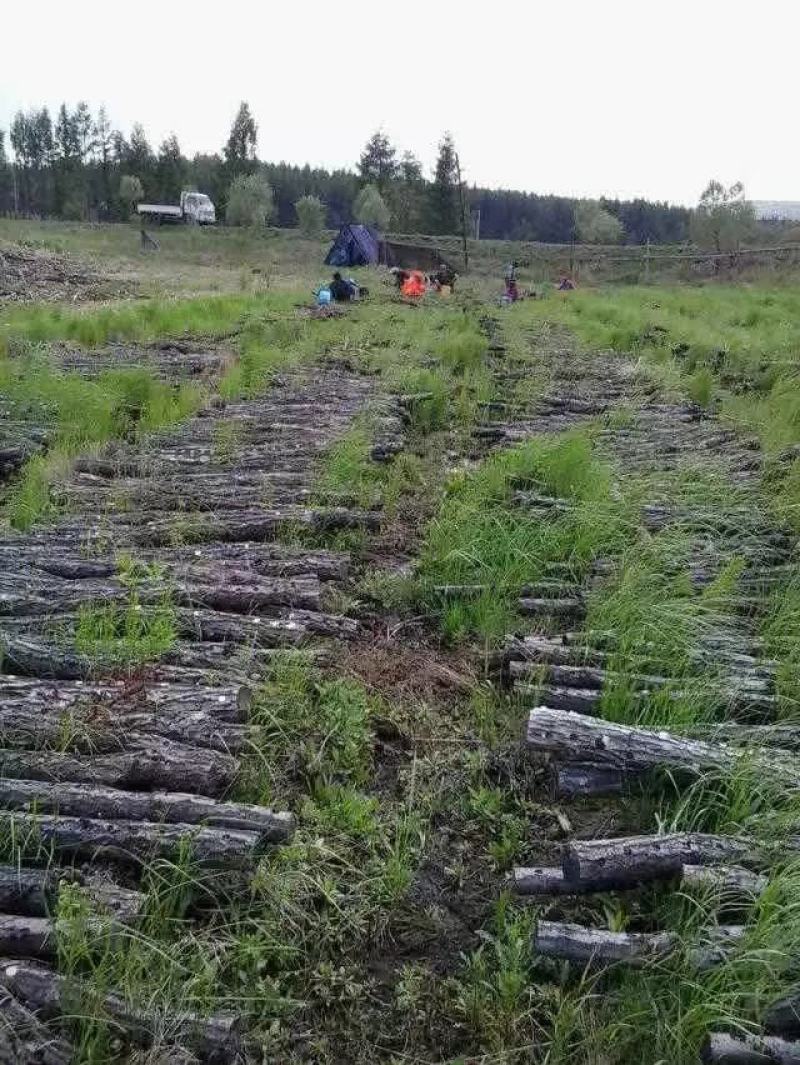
[122,773]
[592,757]
[33,995]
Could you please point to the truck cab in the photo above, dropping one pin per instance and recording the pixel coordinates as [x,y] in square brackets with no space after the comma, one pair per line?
[197,207]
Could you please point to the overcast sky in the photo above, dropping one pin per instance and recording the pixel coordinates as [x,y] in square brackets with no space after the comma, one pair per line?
[616,98]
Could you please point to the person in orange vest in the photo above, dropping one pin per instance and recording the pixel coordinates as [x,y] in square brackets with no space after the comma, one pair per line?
[414,285]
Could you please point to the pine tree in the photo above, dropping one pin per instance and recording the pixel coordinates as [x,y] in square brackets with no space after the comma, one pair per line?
[139,159]
[240,149]
[103,142]
[407,195]
[170,170]
[443,210]
[84,129]
[67,176]
[6,179]
[378,165]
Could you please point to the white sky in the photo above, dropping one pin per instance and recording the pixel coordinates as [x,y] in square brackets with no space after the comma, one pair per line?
[610,97]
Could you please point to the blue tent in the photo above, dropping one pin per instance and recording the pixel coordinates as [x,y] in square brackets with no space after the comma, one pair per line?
[356,245]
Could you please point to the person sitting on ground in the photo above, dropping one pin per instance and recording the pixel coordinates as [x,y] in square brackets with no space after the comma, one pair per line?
[512,293]
[414,285]
[566,284]
[446,276]
[340,289]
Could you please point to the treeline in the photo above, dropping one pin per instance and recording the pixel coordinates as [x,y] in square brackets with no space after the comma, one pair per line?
[72,167]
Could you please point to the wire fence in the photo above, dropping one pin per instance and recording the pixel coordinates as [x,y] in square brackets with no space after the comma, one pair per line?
[640,262]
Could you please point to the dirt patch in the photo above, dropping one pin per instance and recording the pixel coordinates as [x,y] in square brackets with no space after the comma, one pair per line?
[27,274]
[397,672]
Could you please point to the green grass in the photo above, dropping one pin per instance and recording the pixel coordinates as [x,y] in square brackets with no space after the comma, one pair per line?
[481,537]
[736,343]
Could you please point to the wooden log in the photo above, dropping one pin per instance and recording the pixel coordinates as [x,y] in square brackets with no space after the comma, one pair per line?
[84,800]
[256,525]
[103,727]
[716,947]
[25,1040]
[727,881]
[782,1017]
[539,607]
[721,1048]
[215,1039]
[575,737]
[230,702]
[134,841]
[35,658]
[220,588]
[147,762]
[541,880]
[27,937]
[585,946]
[583,780]
[603,864]
[34,893]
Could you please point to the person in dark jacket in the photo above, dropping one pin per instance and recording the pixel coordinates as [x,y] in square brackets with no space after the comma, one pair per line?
[341,290]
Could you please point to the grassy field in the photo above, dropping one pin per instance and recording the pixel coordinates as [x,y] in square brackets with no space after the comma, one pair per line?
[386,931]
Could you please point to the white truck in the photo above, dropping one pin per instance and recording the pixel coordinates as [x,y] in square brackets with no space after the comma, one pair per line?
[195,207]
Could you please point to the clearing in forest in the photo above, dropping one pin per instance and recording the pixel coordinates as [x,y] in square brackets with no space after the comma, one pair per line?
[417,684]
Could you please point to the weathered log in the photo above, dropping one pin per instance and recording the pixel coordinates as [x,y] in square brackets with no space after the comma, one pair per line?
[218,586]
[716,947]
[603,864]
[735,688]
[100,728]
[721,1048]
[783,1016]
[134,841]
[256,525]
[36,658]
[28,937]
[582,780]
[728,881]
[23,694]
[541,880]
[576,943]
[34,893]
[539,607]
[147,762]
[25,1040]
[214,1039]
[575,737]
[83,800]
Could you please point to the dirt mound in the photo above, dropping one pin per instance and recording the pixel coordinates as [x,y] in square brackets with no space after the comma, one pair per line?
[36,274]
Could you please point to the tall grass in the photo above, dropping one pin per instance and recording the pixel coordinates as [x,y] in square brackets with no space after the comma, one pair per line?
[481,537]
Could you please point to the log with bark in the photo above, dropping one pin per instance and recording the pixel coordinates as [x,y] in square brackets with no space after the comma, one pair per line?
[154,529]
[577,738]
[25,1040]
[134,841]
[85,800]
[783,1016]
[595,946]
[29,696]
[147,762]
[215,1039]
[582,780]
[217,586]
[581,945]
[721,1048]
[729,882]
[605,864]
[34,893]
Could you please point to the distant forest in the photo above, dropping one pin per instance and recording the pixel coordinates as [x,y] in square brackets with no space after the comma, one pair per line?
[72,167]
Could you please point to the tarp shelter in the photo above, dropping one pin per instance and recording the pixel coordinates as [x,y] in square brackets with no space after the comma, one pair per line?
[356,245]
